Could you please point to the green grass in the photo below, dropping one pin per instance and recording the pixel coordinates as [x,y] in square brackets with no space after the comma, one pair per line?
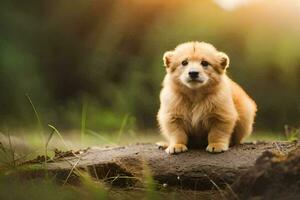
[28,144]
[266,136]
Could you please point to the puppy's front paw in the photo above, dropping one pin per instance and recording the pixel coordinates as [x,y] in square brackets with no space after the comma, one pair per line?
[176,148]
[217,147]
[162,145]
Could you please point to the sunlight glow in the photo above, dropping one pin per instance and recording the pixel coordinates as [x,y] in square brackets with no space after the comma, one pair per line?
[231,5]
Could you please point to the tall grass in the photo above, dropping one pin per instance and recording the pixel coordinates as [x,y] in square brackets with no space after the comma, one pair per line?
[83,119]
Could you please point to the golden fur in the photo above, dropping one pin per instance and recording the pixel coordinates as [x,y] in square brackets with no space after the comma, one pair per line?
[214,109]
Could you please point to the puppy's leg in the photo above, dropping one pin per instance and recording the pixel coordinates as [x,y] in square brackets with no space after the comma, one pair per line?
[176,136]
[244,125]
[243,129]
[178,141]
[219,137]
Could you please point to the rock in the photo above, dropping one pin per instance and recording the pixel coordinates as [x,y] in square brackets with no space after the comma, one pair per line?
[123,166]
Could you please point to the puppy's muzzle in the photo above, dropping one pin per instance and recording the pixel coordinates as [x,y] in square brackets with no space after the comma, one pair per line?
[194,75]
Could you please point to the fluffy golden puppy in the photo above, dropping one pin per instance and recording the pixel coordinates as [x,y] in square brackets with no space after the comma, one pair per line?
[199,99]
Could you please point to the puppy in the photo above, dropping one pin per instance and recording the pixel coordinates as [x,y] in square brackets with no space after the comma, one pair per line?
[198,100]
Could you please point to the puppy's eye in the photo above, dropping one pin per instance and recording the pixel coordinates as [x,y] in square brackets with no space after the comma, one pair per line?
[185,63]
[204,63]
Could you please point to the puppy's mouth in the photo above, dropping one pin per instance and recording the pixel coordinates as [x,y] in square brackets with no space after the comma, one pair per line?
[200,80]
[195,81]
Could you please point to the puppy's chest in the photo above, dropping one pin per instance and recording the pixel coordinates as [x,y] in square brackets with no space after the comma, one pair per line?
[198,117]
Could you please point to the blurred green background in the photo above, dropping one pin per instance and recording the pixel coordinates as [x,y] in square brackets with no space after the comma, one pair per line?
[102,59]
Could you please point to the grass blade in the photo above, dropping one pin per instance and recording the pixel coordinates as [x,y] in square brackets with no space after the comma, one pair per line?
[121,131]
[37,117]
[83,120]
[59,135]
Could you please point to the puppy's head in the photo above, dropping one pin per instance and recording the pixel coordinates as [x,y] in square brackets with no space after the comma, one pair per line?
[195,64]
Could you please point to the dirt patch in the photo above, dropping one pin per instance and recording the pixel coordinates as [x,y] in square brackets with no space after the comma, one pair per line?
[274,176]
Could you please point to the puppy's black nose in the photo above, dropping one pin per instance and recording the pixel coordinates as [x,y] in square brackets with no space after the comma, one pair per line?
[193,74]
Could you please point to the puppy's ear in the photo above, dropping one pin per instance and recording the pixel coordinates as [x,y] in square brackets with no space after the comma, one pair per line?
[224,60]
[167,58]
